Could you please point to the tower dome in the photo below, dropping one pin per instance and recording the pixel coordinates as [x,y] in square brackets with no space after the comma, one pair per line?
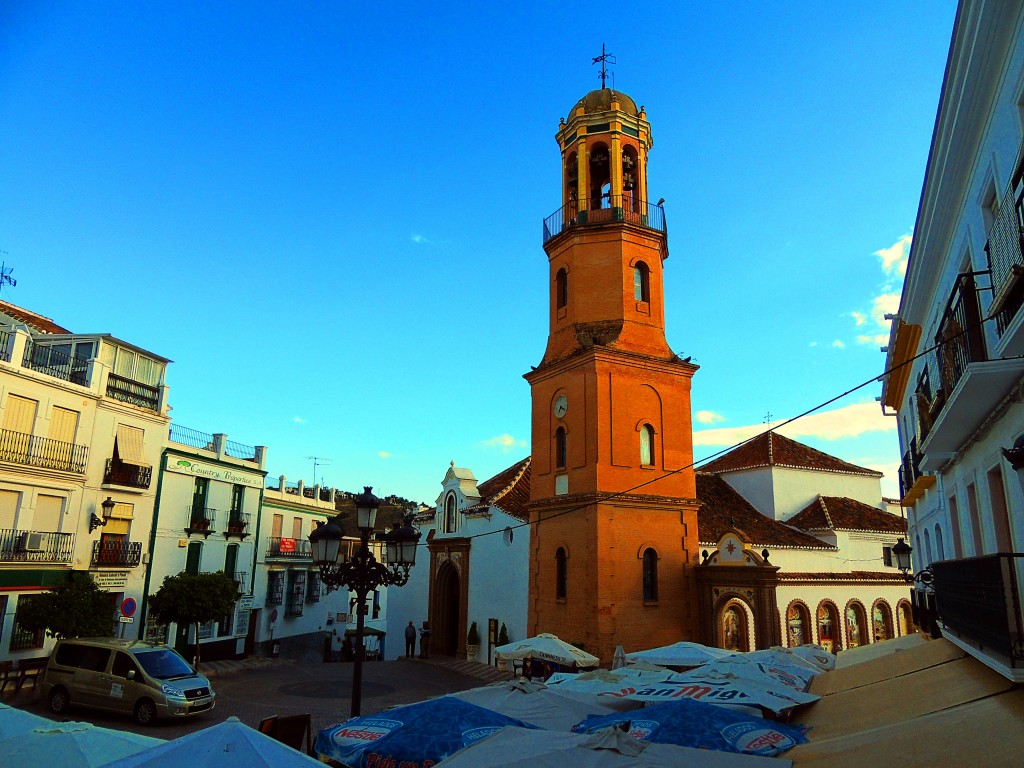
[600,100]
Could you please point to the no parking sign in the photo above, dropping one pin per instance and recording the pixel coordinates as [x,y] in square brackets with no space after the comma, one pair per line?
[128,606]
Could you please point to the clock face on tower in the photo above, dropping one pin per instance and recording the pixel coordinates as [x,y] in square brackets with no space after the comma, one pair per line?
[561,406]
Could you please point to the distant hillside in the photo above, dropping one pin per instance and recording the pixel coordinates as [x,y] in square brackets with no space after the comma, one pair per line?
[387,515]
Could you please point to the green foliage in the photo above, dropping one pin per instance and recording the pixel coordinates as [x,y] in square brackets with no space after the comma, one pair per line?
[194,598]
[503,635]
[76,608]
[473,638]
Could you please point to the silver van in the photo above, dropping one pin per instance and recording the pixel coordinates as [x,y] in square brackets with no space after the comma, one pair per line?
[145,680]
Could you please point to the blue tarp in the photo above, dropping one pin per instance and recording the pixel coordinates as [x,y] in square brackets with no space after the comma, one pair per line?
[414,736]
[688,723]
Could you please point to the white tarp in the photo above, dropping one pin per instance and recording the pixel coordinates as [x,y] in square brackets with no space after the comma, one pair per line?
[682,654]
[540,705]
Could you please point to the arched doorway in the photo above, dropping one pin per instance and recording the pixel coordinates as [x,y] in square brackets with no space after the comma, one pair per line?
[733,626]
[856,626]
[881,621]
[798,625]
[906,616]
[829,632]
[448,594]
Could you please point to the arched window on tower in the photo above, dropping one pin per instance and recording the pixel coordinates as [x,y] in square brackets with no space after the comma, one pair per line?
[560,448]
[600,178]
[561,289]
[641,282]
[650,576]
[561,573]
[630,180]
[647,445]
[449,514]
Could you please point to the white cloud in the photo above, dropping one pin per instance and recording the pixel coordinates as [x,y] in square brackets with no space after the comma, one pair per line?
[838,344]
[885,304]
[859,317]
[849,421]
[708,417]
[894,258]
[880,339]
[813,344]
[420,239]
[505,442]
[384,454]
[298,420]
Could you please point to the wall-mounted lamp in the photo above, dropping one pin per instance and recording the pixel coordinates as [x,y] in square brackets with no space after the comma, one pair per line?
[901,551]
[95,522]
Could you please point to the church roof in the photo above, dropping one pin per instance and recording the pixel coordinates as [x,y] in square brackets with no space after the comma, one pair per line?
[36,322]
[509,490]
[773,450]
[838,513]
[723,509]
[600,100]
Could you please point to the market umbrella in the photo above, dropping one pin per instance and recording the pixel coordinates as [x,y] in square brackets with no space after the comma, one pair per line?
[411,735]
[738,685]
[518,748]
[774,667]
[14,721]
[548,648]
[814,654]
[608,683]
[619,658]
[682,654]
[703,726]
[230,744]
[538,704]
[70,745]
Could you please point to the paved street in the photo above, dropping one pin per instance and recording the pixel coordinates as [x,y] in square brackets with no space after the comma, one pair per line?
[288,688]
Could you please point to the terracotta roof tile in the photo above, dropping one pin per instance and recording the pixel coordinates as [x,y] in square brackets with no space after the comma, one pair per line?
[720,503]
[509,490]
[36,322]
[838,513]
[774,450]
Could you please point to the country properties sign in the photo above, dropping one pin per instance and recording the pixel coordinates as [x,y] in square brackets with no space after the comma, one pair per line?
[212,471]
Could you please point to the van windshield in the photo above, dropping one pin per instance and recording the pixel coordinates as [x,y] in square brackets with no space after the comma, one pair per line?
[164,664]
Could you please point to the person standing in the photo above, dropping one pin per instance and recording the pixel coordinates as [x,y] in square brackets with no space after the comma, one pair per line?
[410,640]
[425,640]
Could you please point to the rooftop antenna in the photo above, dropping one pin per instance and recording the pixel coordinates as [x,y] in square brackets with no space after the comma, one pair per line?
[5,274]
[318,461]
[605,59]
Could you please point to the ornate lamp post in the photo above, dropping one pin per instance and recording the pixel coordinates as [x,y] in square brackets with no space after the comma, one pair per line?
[360,571]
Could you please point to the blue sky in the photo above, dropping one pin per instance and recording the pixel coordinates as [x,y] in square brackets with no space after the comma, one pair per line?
[328,214]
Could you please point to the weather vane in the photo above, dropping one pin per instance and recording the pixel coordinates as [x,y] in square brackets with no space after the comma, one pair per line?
[5,275]
[605,59]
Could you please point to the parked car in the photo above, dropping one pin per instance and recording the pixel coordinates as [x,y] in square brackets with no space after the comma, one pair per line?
[145,680]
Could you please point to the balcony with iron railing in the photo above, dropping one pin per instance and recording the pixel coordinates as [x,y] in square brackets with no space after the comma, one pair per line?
[53,362]
[237,524]
[18,546]
[116,553]
[32,451]
[1006,266]
[617,209]
[978,603]
[284,547]
[200,520]
[120,473]
[133,392]
[960,384]
[913,482]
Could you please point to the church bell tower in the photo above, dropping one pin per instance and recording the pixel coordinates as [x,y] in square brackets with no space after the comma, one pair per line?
[612,494]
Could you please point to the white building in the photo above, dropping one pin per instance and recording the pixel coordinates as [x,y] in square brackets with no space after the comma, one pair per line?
[474,564]
[955,375]
[83,419]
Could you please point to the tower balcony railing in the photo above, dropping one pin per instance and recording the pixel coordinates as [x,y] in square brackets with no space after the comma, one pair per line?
[604,210]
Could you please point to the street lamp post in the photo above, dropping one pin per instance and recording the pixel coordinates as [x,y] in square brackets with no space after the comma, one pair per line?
[360,571]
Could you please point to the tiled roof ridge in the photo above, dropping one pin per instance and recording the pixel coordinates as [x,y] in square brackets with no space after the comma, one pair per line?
[824,508]
[771,454]
[522,468]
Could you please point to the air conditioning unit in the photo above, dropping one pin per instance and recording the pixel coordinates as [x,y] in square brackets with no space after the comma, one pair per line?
[31,542]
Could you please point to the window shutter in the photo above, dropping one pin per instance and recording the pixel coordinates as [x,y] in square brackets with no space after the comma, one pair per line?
[20,414]
[195,553]
[8,508]
[47,517]
[130,445]
[63,425]
[275,531]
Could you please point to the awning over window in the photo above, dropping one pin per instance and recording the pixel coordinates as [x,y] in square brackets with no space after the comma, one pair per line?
[129,445]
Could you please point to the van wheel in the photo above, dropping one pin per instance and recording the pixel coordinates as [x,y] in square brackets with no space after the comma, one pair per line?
[145,712]
[59,700]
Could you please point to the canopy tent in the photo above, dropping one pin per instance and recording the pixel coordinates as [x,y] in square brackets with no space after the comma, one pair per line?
[14,721]
[428,731]
[517,748]
[538,704]
[738,686]
[681,654]
[703,726]
[367,632]
[230,744]
[70,745]
[767,665]
[547,647]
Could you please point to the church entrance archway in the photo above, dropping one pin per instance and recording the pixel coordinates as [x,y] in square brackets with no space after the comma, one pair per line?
[446,633]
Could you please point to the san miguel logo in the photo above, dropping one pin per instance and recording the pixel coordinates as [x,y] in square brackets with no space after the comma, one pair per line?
[365,732]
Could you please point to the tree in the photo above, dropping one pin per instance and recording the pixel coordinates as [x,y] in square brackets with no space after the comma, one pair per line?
[76,608]
[193,599]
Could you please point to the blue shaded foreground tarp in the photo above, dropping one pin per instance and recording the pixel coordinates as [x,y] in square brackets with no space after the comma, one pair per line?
[688,723]
[414,736]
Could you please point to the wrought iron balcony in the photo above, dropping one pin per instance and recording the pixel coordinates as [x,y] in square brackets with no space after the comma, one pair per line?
[960,335]
[116,553]
[1006,256]
[599,211]
[5,345]
[237,524]
[290,548]
[978,603]
[21,448]
[18,546]
[200,520]
[913,482]
[53,362]
[133,392]
[130,475]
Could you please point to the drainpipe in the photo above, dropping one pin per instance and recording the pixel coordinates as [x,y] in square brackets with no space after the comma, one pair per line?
[152,547]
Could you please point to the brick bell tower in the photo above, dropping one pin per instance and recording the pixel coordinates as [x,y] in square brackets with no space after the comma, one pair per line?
[612,492]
